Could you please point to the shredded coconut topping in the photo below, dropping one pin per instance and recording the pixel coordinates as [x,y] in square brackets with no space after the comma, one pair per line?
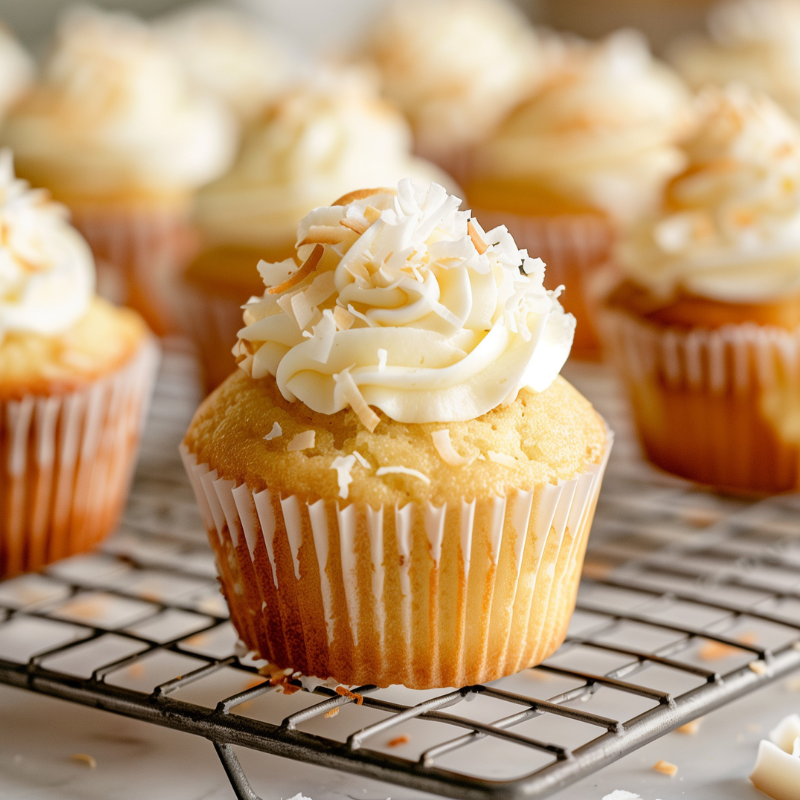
[361,460]
[443,445]
[275,432]
[302,441]
[415,473]
[343,466]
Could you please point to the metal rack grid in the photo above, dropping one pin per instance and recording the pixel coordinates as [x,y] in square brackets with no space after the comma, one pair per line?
[689,600]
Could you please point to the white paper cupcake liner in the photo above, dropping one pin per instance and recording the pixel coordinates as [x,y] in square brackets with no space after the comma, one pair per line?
[66,462]
[433,596]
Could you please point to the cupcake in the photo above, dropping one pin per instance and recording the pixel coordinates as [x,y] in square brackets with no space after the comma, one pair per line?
[75,378]
[572,165]
[754,42]
[16,70]
[455,68]
[397,484]
[316,143]
[115,133]
[706,324]
[227,54]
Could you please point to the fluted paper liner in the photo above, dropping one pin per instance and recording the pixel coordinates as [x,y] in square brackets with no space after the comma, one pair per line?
[422,596]
[66,462]
[715,405]
[574,247]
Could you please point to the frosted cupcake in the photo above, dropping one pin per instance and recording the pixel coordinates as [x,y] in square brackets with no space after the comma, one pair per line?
[455,68]
[706,325]
[114,132]
[16,70]
[317,143]
[75,377]
[576,162]
[227,54]
[397,484]
[755,42]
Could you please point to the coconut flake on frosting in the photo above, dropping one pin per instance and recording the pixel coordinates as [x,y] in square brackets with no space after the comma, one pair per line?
[729,226]
[46,268]
[464,331]
[114,110]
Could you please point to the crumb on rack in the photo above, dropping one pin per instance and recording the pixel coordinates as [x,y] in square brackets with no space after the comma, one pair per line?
[665,768]
[759,667]
[85,759]
[332,713]
[403,738]
[345,692]
[713,651]
[690,728]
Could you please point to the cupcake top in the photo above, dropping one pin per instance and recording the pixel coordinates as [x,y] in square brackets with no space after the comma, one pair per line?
[455,67]
[600,132]
[404,303]
[114,111]
[46,268]
[729,225]
[227,54]
[16,69]
[756,42]
[316,143]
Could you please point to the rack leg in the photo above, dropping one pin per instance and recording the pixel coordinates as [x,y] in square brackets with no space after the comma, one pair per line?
[233,769]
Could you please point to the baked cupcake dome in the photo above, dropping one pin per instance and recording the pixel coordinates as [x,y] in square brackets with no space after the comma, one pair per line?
[705,324]
[379,513]
[75,378]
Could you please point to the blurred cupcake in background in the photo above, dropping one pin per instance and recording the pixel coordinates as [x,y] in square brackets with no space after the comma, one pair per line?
[314,145]
[229,54]
[756,42]
[75,379]
[581,158]
[16,70]
[455,68]
[115,132]
[706,325]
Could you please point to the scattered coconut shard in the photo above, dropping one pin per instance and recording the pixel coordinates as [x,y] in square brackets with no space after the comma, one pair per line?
[665,768]
[332,713]
[415,473]
[302,441]
[305,270]
[777,769]
[480,245]
[621,794]
[759,667]
[444,447]
[85,759]
[275,432]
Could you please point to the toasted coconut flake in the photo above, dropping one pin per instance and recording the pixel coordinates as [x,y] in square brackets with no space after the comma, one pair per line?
[343,466]
[403,738]
[369,419]
[480,245]
[345,692]
[323,234]
[302,441]
[502,458]
[690,728]
[383,355]
[415,473]
[302,310]
[362,194]
[444,447]
[665,768]
[371,214]
[361,460]
[355,225]
[343,318]
[305,270]
[85,759]
[332,713]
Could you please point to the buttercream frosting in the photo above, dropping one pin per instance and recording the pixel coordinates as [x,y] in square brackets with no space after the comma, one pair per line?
[16,69]
[114,110]
[228,54]
[46,268]
[756,42]
[316,143]
[729,226]
[461,314]
[455,67]
[601,131]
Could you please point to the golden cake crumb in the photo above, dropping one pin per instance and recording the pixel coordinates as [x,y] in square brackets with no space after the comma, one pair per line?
[403,738]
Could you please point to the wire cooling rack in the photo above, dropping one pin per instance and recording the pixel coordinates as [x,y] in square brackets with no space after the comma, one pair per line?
[689,600]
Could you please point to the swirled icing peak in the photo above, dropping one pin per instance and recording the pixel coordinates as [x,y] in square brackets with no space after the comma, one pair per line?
[46,268]
[402,302]
[756,42]
[455,67]
[114,109]
[729,225]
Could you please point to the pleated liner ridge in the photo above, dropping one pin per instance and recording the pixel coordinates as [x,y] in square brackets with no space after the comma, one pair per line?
[66,463]
[425,597]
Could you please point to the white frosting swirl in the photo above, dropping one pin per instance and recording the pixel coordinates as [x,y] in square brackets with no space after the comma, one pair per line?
[601,131]
[46,268]
[756,42]
[227,54]
[455,67]
[114,110]
[415,310]
[729,228]
[317,143]
[16,69]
